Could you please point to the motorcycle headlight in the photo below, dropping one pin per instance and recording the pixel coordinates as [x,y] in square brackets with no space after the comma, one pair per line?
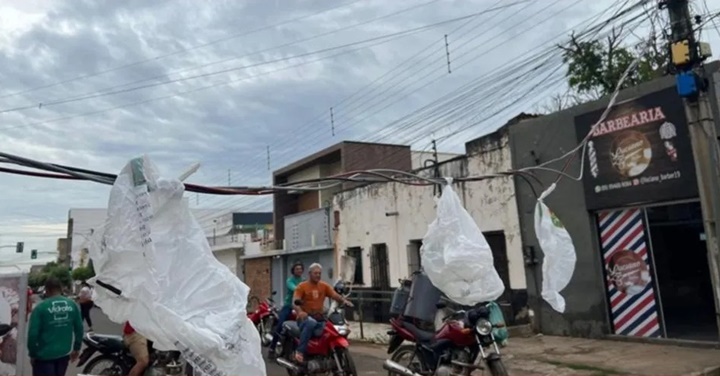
[483,327]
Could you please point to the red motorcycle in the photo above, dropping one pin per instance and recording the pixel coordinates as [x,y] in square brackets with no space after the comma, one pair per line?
[327,353]
[264,318]
[459,347]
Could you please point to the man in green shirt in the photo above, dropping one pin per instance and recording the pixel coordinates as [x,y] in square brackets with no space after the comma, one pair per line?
[55,331]
[295,278]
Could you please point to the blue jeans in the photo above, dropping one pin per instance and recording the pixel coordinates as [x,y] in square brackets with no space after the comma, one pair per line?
[282,317]
[54,367]
[308,329]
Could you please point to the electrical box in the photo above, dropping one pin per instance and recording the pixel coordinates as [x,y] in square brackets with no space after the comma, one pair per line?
[686,84]
[19,247]
[680,52]
[33,254]
[705,50]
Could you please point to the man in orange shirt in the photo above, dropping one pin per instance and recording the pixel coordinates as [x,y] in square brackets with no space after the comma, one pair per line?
[311,313]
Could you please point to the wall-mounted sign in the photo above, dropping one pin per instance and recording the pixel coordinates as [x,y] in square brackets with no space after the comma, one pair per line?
[640,153]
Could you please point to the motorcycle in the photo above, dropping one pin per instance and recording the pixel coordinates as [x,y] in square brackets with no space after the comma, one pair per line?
[337,313]
[114,358]
[264,318]
[5,329]
[326,353]
[464,343]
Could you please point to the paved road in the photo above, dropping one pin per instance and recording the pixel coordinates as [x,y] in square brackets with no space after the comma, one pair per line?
[366,364]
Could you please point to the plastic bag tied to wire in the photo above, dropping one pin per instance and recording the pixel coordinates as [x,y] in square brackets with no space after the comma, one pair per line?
[456,256]
[559,253]
[171,287]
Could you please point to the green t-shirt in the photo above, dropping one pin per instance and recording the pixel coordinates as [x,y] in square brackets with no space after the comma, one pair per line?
[291,284]
[55,329]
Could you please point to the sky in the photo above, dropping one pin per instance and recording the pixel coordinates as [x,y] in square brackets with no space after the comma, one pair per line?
[230,83]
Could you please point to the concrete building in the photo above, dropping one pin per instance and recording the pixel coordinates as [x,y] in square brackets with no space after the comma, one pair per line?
[382,225]
[635,219]
[63,252]
[303,220]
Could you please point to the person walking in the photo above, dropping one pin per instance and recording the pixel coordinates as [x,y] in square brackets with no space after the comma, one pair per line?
[295,278]
[55,332]
[86,304]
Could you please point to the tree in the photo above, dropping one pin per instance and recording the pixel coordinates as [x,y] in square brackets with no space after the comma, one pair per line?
[83,273]
[594,67]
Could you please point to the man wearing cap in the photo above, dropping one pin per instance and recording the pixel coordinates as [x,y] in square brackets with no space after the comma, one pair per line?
[295,278]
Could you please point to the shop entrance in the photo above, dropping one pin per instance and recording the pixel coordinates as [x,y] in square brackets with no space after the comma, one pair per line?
[681,267]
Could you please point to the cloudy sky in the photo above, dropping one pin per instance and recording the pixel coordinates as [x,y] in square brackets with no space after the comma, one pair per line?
[95,83]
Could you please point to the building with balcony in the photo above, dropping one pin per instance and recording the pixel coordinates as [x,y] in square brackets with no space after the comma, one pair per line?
[304,221]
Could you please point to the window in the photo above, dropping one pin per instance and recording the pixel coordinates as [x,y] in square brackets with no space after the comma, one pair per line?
[356,253]
[379,266]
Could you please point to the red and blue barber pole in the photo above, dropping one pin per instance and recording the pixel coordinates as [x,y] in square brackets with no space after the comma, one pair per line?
[630,285]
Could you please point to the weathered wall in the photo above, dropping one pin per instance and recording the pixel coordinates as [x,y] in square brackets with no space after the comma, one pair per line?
[364,218]
[537,141]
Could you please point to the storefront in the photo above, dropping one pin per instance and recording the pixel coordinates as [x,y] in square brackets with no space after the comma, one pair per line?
[640,187]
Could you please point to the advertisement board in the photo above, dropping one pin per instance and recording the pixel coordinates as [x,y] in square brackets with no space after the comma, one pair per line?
[13,307]
[640,153]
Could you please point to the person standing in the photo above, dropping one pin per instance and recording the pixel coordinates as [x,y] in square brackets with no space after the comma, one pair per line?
[55,332]
[295,278]
[86,304]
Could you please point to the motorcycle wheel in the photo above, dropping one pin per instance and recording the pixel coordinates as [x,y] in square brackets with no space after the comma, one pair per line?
[347,362]
[266,329]
[405,351]
[497,368]
[112,367]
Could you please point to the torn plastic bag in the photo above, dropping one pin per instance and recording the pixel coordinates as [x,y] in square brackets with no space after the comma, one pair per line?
[456,256]
[559,253]
[155,269]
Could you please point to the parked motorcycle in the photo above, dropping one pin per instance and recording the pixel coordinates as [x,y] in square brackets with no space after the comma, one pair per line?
[327,353]
[464,343]
[264,318]
[114,358]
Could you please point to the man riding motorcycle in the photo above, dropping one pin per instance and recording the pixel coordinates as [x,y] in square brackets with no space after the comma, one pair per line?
[312,294]
[138,346]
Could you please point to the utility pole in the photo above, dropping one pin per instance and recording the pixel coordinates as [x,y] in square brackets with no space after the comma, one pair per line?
[687,56]
[436,167]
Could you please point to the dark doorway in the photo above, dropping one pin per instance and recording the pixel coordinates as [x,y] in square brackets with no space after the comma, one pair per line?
[379,267]
[683,275]
[496,240]
[413,256]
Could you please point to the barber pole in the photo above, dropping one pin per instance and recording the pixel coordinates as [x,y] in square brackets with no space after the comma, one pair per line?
[631,290]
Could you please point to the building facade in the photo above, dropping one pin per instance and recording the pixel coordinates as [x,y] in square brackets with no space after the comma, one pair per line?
[382,225]
[635,218]
[304,222]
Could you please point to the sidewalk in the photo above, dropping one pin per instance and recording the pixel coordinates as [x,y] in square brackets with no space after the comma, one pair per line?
[549,355]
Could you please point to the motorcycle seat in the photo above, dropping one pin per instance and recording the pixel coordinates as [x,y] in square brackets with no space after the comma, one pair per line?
[112,342]
[422,336]
[292,328]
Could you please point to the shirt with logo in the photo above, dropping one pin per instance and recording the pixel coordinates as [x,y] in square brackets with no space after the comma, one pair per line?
[55,329]
[313,296]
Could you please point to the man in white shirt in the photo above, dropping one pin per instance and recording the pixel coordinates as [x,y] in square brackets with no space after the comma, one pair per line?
[86,304]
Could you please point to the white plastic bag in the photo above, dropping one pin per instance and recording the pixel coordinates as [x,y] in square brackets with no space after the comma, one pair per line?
[557,246]
[173,290]
[456,256]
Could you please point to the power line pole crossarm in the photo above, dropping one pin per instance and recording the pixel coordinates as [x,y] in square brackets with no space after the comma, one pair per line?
[687,58]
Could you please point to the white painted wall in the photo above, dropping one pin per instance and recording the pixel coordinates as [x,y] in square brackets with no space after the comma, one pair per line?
[228,258]
[363,219]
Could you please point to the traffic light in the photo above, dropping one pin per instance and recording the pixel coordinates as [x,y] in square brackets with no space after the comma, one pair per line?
[33,254]
[19,247]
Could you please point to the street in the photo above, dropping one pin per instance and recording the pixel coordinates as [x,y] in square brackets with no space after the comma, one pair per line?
[366,364]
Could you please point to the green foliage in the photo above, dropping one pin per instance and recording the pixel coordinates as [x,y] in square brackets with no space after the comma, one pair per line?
[59,271]
[594,67]
[83,273]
